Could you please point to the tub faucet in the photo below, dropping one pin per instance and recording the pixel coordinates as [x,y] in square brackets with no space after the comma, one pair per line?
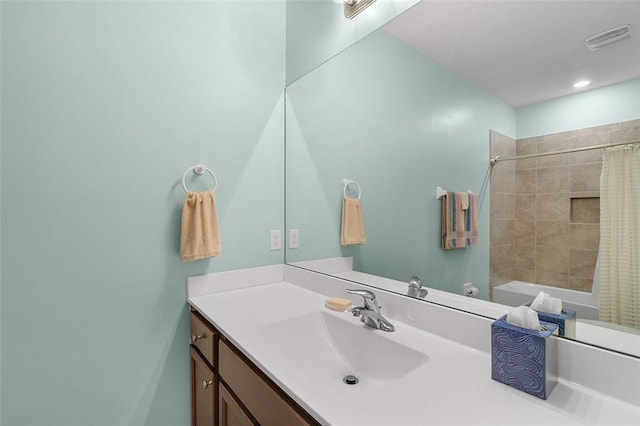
[369,313]
[415,288]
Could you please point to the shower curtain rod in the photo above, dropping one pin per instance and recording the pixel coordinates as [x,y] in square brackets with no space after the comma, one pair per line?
[497,158]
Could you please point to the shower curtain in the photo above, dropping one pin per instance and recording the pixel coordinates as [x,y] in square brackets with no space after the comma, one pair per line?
[618,270]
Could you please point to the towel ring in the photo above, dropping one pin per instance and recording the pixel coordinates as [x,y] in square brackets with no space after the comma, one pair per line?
[348,182]
[199,169]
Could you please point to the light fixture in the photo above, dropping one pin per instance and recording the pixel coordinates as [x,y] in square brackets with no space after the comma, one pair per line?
[606,38]
[581,83]
[354,7]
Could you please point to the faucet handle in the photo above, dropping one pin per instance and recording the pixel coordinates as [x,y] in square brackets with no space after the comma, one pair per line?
[366,294]
[415,281]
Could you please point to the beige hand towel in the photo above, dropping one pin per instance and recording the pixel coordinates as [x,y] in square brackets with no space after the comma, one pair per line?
[352,223]
[199,236]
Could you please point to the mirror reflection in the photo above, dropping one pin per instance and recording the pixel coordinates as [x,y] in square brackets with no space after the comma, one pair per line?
[426,102]
[330,27]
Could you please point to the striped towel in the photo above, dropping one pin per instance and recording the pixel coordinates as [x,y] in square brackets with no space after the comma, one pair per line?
[459,220]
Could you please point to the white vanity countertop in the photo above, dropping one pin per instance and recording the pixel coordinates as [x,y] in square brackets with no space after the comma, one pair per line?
[453,385]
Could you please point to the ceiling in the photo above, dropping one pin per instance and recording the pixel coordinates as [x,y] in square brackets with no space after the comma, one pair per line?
[524,52]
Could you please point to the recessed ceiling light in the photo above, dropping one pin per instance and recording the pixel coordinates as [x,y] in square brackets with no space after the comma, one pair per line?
[581,83]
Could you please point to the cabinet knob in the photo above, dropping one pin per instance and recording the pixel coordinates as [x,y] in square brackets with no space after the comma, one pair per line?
[206,384]
[194,337]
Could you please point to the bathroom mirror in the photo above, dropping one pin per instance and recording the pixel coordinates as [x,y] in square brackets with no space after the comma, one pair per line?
[401,119]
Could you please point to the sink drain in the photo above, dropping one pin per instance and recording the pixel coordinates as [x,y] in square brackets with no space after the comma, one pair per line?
[350,380]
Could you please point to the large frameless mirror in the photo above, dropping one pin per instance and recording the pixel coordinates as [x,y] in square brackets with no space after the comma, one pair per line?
[425,102]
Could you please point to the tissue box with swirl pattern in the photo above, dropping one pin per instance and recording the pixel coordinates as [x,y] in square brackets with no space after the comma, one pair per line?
[524,359]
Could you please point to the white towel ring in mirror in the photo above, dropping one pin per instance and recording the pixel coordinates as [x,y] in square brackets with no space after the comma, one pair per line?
[348,182]
[199,169]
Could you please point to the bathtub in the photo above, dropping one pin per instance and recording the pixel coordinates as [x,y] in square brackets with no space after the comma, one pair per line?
[516,293]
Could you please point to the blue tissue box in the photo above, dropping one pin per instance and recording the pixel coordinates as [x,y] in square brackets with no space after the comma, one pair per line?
[566,321]
[524,359]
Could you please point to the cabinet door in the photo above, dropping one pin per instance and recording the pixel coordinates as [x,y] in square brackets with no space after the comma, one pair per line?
[231,412]
[261,399]
[204,389]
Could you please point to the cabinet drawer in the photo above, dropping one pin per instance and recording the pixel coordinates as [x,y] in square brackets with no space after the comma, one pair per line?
[262,401]
[204,338]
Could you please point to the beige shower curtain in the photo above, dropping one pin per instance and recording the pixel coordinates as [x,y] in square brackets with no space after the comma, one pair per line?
[618,271]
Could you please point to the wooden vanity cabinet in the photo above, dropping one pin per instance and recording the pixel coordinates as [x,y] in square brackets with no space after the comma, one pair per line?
[230,390]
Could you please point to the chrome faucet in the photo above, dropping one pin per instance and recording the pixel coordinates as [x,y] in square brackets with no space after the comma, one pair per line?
[369,313]
[415,288]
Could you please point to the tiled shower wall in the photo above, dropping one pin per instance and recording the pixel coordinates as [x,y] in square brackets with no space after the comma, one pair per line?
[550,234]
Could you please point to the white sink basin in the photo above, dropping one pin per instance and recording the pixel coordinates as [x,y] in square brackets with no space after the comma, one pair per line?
[343,345]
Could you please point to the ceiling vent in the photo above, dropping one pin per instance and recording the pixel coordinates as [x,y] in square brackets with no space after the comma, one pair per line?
[608,37]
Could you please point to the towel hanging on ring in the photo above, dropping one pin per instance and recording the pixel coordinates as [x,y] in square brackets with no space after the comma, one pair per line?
[199,234]
[352,231]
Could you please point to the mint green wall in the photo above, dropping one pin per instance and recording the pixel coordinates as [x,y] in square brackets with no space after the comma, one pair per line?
[318,30]
[400,124]
[610,104]
[104,106]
